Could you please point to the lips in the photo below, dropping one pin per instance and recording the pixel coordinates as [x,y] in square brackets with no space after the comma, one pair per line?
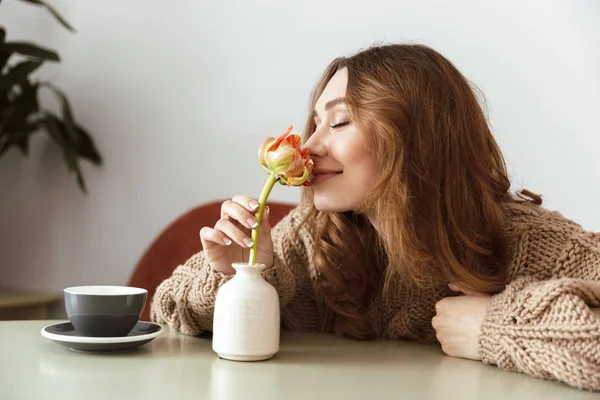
[319,174]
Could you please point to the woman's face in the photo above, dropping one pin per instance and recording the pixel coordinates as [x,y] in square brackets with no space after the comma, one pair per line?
[345,168]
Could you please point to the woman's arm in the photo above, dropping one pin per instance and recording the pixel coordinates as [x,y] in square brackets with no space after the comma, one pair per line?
[549,327]
[186,300]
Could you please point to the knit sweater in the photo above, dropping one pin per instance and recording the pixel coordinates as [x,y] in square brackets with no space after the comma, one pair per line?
[546,323]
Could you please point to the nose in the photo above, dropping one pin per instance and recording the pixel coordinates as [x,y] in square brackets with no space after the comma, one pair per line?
[316,144]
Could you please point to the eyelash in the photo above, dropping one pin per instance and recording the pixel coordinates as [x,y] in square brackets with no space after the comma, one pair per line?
[339,125]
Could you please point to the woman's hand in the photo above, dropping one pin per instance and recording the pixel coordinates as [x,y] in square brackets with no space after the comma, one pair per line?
[229,241]
[458,321]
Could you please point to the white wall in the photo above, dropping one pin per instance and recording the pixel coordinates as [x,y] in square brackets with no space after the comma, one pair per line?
[180,94]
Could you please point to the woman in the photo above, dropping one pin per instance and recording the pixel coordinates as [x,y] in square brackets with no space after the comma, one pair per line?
[409,231]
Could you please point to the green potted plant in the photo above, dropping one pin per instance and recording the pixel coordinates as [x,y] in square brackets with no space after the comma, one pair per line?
[21,114]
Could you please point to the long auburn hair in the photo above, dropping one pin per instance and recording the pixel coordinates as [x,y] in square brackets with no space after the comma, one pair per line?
[438,196]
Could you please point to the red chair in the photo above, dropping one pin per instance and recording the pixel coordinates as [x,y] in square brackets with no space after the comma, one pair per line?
[179,241]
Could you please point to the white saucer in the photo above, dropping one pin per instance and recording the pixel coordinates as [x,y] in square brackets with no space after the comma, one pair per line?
[64,334]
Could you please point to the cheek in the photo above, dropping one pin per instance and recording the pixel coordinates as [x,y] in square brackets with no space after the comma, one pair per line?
[359,163]
[360,169]
[350,151]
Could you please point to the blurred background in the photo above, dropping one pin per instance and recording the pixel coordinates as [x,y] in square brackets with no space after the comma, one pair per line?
[179,95]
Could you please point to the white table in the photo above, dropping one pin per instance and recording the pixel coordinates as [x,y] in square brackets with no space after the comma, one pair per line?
[309,366]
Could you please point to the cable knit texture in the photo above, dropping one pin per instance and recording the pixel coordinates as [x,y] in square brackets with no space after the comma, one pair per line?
[546,323]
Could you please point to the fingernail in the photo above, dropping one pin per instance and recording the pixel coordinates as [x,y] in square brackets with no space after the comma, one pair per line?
[267,209]
[252,222]
[227,241]
[248,242]
[253,205]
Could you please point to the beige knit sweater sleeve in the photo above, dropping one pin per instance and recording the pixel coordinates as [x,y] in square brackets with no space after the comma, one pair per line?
[186,300]
[546,323]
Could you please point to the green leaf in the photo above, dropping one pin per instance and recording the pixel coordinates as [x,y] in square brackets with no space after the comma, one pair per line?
[4,56]
[21,108]
[57,132]
[18,73]
[30,49]
[53,12]
[18,137]
[54,128]
[21,139]
[69,121]
[4,99]
[82,142]
[86,147]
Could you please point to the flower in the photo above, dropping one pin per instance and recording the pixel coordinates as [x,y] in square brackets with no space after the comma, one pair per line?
[286,163]
[284,158]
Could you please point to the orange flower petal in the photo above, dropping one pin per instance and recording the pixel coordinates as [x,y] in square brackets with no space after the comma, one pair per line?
[280,139]
[285,158]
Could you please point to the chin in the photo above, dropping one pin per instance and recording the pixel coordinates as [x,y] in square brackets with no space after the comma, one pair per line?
[330,205]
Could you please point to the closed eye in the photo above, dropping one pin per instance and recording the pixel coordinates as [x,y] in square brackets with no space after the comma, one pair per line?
[339,125]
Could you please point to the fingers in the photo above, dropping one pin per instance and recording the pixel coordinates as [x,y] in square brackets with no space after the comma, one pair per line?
[236,214]
[229,229]
[212,235]
[240,209]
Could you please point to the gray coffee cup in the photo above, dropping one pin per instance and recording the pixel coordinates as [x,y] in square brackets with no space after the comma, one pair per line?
[103,311]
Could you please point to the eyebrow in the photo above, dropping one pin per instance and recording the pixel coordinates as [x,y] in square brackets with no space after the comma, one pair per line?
[331,104]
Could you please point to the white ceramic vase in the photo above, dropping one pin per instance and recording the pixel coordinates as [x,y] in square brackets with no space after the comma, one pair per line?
[246,316]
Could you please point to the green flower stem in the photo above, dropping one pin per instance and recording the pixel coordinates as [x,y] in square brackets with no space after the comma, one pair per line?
[262,201]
